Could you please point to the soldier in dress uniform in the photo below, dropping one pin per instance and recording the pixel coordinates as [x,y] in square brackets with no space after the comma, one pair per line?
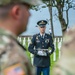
[39,47]
[14,15]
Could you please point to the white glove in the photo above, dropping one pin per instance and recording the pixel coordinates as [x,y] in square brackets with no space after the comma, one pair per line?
[42,53]
[49,51]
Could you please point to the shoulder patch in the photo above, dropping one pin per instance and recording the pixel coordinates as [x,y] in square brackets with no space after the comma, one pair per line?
[14,70]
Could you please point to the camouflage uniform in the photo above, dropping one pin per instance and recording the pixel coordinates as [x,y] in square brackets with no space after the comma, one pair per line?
[13,59]
[66,64]
[12,56]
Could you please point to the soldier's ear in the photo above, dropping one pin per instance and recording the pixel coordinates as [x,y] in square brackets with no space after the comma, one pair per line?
[15,11]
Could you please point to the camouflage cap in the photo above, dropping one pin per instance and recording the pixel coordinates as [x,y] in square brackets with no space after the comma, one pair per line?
[30,2]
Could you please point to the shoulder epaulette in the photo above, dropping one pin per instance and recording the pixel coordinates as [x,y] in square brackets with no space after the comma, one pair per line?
[36,34]
[47,34]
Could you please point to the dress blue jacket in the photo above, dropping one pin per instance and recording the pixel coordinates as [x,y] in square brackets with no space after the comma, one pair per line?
[41,43]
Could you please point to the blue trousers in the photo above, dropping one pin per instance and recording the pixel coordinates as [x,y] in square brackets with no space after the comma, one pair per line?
[44,70]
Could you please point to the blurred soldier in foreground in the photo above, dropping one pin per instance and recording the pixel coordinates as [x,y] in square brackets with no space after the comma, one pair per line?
[42,41]
[66,64]
[14,15]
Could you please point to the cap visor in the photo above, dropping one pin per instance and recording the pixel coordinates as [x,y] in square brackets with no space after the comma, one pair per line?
[41,26]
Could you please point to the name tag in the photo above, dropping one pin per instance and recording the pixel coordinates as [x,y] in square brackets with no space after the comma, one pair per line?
[37,41]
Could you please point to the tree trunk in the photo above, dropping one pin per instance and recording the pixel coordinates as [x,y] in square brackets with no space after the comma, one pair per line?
[51,17]
[60,16]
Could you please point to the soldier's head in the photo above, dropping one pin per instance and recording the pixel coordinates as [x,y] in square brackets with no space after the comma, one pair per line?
[15,13]
[42,25]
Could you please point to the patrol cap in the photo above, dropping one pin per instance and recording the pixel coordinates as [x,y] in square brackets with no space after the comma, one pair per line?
[42,23]
[30,2]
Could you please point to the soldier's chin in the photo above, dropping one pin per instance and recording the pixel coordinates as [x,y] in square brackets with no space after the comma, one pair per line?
[43,32]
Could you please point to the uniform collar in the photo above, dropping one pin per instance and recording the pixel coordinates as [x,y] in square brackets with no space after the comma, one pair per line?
[7,32]
[42,34]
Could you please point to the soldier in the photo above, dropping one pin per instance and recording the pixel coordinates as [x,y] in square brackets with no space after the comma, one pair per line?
[41,41]
[14,15]
[66,63]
